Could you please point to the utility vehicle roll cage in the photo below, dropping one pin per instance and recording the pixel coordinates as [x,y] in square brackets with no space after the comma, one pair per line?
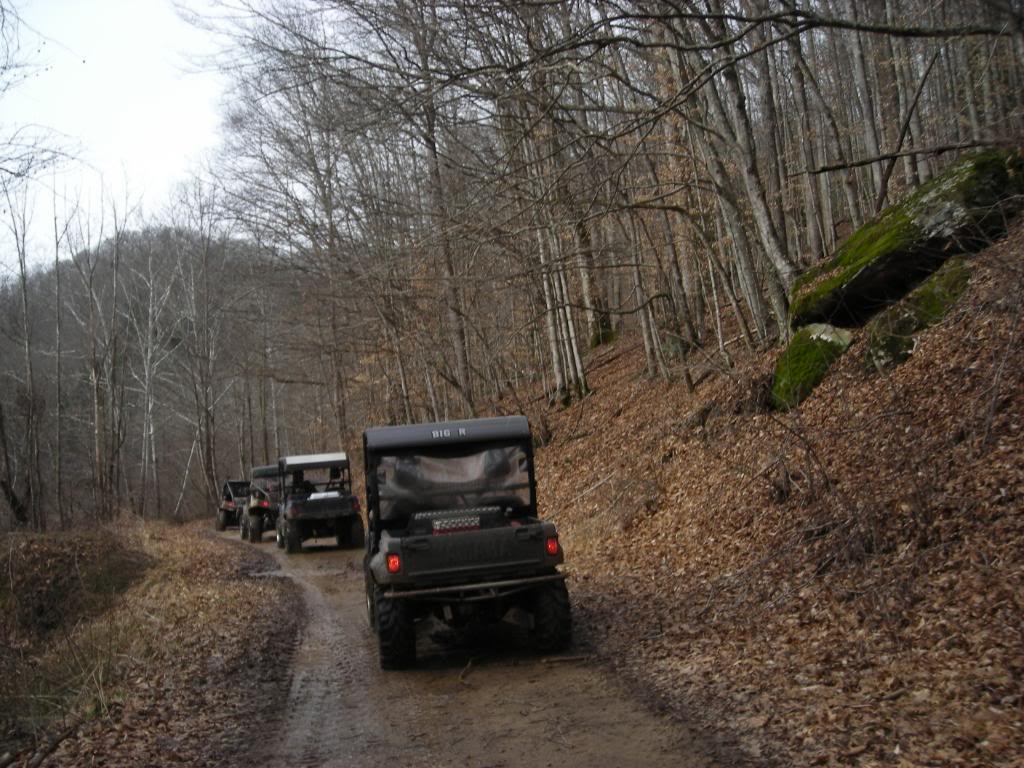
[336,463]
[234,488]
[452,439]
[265,480]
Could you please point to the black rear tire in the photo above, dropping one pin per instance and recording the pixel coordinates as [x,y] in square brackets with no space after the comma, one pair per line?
[396,632]
[354,537]
[371,616]
[255,529]
[221,522]
[292,539]
[552,618]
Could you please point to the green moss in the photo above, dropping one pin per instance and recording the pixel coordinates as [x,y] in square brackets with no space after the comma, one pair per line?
[890,335]
[933,300]
[891,233]
[958,211]
[803,365]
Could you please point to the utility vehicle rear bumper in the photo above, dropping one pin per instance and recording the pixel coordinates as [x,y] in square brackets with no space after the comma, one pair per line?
[477,591]
[320,516]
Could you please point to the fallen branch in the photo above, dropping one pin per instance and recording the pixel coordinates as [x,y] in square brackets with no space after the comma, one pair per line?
[904,129]
[591,489]
[53,742]
[933,150]
[465,671]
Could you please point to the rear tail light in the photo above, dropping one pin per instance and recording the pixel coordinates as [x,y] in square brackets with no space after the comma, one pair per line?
[230,505]
[394,563]
[551,545]
[263,504]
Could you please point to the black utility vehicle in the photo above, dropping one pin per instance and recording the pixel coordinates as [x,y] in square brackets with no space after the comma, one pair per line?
[454,533]
[317,501]
[261,511]
[233,496]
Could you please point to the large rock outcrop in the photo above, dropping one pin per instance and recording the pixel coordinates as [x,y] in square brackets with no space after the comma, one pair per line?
[890,334]
[960,211]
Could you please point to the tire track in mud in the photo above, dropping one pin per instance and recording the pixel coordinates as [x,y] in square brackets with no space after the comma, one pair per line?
[490,704]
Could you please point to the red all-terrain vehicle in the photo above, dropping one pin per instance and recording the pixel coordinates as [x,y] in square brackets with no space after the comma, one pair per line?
[233,497]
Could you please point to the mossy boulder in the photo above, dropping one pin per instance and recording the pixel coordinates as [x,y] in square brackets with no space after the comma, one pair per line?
[804,363]
[960,211]
[890,334]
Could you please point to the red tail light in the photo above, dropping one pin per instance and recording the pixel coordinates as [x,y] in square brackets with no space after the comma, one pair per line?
[394,563]
[264,503]
[551,545]
[230,505]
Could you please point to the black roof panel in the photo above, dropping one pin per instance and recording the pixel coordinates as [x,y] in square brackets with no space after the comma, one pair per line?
[313,461]
[446,433]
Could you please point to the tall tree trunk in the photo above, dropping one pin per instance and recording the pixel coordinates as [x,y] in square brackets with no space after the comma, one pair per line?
[554,342]
[58,458]
[19,510]
[32,497]
[735,115]
[456,321]
[865,98]
[812,205]
[838,144]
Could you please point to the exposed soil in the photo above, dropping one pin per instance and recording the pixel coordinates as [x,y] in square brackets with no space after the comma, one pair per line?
[484,700]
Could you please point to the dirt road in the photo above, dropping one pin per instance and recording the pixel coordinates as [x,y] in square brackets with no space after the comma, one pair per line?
[468,703]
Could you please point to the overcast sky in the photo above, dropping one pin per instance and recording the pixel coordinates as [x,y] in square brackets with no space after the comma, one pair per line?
[121,81]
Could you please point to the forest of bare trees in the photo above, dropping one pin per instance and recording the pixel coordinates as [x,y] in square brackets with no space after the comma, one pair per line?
[420,207]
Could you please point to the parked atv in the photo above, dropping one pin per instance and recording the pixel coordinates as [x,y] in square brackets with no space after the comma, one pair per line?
[233,496]
[317,502]
[261,511]
[454,533]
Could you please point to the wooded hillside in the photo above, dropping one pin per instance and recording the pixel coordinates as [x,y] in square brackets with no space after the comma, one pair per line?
[420,207]
[751,268]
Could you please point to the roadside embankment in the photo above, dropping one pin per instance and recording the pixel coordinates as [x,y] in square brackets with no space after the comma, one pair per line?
[138,644]
[841,583]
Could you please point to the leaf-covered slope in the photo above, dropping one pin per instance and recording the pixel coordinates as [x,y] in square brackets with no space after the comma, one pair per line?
[170,667]
[843,584]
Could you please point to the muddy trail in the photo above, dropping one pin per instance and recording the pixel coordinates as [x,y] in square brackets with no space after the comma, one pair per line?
[480,701]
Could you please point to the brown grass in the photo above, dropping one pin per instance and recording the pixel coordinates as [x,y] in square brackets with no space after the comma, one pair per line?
[156,637]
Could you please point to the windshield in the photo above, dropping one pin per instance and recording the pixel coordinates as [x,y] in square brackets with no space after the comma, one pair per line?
[497,476]
[238,487]
[266,487]
[318,480]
